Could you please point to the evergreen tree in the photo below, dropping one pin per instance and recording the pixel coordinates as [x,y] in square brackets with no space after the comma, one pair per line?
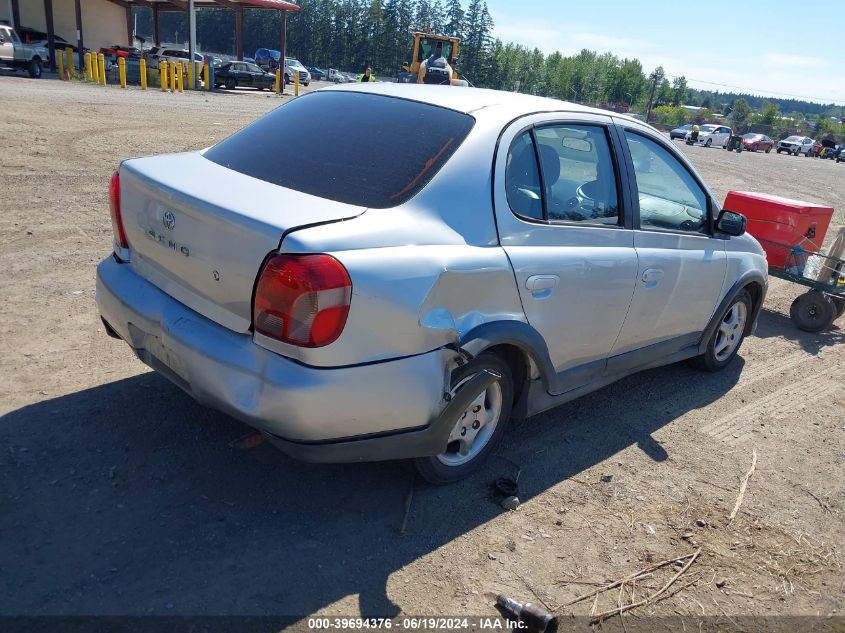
[454,19]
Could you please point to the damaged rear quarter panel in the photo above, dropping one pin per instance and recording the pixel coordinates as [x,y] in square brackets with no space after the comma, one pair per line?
[409,300]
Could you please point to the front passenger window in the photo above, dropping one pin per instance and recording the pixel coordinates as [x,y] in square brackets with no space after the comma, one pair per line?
[670,198]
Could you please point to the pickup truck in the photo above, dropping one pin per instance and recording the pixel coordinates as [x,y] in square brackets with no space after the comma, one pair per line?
[337,77]
[16,55]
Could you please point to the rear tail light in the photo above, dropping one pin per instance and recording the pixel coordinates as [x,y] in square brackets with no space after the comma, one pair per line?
[302,299]
[116,219]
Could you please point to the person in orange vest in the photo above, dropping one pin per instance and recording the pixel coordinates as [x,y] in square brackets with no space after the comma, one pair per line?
[367,75]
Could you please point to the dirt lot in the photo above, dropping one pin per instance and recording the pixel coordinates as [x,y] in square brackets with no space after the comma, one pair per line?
[120,495]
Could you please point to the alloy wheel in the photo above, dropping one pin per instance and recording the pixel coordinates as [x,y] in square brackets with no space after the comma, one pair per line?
[729,334]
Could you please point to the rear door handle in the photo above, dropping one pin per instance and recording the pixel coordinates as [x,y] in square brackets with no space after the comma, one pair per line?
[541,286]
[652,277]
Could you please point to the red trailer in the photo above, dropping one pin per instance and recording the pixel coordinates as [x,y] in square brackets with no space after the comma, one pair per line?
[792,232]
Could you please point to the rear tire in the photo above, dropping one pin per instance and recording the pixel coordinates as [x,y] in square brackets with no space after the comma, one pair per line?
[34,68]
[726,340]
[451,466]
[769,150]
[813,311]
[839,306]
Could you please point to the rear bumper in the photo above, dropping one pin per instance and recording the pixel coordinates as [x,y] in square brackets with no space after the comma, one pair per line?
[384,410]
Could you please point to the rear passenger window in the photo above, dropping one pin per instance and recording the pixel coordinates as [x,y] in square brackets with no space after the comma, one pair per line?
[578,175]
[670,198]
[576,181]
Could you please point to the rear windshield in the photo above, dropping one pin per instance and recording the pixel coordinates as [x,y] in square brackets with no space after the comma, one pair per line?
[362,149]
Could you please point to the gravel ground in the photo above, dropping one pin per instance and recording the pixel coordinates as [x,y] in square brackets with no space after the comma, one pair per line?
[121,496]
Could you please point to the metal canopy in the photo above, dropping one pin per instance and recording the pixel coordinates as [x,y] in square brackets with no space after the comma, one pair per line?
[283,6]
[238,6]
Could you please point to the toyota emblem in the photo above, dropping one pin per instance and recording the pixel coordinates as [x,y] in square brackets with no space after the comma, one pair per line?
[168,219]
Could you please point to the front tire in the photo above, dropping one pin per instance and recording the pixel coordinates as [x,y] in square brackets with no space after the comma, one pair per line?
[477,432]
[709,142]
[231,84]
[725,342]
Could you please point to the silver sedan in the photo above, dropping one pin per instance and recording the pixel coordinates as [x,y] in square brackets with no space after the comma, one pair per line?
[397,271]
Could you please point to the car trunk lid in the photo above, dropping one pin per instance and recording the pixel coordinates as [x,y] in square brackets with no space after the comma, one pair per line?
[200,231]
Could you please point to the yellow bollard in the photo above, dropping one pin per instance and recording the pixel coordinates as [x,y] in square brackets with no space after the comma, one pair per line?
[296,83]
[121,63]
[142,67]
[95,73]
[162,73]
[69,62]
[61,62]
[191,71]
[278,81]
[205,76]
[172,76]
[179,75]
[102,63]
[89,74]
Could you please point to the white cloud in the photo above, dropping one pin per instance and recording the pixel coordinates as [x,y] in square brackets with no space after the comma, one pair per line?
[795,61]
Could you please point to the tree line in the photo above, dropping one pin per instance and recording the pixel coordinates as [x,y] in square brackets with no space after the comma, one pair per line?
[353,34]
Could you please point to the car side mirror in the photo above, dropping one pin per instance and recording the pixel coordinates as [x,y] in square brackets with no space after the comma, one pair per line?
[731,223]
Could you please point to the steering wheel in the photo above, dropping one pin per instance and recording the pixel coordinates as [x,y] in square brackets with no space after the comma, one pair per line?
[580,206]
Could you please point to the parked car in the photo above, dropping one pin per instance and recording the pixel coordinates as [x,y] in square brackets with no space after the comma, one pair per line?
[840,155]
[680,132]
[241,74]
[337,77]
[249,60]
[127,52]
[15,55]
[407,301]
[796,145]
[757,143]
[267,58]
[180,55]
[710,134]
[830,149]
[294,66]
[317,74]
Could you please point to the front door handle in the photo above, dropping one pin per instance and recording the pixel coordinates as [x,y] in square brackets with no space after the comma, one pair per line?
[652,277]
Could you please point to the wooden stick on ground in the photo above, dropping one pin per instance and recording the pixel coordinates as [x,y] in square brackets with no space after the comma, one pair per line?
[652,598]
[743,486]
[629,578]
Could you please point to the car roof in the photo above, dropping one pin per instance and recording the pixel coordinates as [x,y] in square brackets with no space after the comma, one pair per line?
[470,100]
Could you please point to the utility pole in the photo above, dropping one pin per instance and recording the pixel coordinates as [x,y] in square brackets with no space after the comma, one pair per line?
[651,96]
[192,35]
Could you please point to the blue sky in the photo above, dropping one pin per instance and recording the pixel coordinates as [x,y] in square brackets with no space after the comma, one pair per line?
[768,48]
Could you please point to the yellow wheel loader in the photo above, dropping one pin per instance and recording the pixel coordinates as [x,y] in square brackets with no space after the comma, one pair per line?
[433,61]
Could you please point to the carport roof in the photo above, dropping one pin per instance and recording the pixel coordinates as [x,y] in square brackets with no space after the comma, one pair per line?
[182,5]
